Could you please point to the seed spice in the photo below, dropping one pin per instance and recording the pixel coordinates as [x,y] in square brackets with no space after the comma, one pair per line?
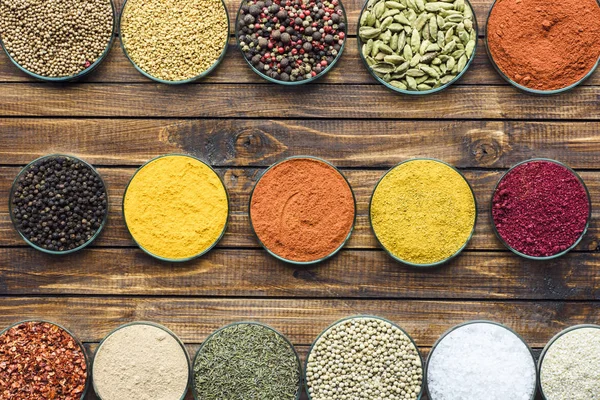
[174,40]
[570,368]
[41,361]
[246,361]
[366,358]
[291,40]
[56,38]
[417,45]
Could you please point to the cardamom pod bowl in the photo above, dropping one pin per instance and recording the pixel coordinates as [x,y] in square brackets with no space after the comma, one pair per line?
[291,83]
[15,223]
[79,75]
[557,255]
[370,3]
[181,82]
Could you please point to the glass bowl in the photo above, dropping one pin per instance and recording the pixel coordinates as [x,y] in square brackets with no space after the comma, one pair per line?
[70,78]
[15,224]
[182,260]
[562,253]
[190,80]
[438,263]
[298,393]
[290,83]
[365,316]
[525,88]
[293,262]
[75,338]
[155,325]
[533,396]
[417,92]
[549,345]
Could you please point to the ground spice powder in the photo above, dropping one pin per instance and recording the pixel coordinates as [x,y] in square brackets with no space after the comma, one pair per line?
[540,208]
[176,207]
[423,211]
[302,209]
[542,44]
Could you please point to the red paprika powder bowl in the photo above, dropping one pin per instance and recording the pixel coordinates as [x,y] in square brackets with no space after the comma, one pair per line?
[540,209]
[47,328]
[567,87]
[302,210]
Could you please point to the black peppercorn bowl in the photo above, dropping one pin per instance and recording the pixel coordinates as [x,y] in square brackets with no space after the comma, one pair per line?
[15,222]
[260,73]
[70,78]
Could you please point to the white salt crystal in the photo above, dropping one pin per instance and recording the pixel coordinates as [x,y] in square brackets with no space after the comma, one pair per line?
[481,361]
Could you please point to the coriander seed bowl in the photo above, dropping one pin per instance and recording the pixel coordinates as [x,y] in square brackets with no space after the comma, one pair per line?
[17,223]
[287,73]
[68,78]
[395,68]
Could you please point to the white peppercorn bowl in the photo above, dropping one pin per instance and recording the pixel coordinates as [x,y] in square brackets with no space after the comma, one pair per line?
[155,325]
[550,344]
[355,317]
[14,222]
[70,78]
[181,82]
[473,322]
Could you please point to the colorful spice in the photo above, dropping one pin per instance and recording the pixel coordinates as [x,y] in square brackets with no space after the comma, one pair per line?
[540,208]
[56,38]
[423,212]
[302,209]
[481,361]
[364,358]
[59,203]
[143,362]
[291,40]
[41,361]
[176,207]
[417,45]
[570,367]
[246,361]
[174,40]
[545,45]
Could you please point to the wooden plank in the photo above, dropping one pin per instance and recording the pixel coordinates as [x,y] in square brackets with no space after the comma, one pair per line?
[240,181]
[91,318]
[324,101]
[346,143]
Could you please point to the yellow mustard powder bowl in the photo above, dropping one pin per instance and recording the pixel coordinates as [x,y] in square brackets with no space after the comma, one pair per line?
[176,207]
[423,212]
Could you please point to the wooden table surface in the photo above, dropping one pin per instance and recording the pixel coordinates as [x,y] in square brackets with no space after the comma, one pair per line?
[239,123]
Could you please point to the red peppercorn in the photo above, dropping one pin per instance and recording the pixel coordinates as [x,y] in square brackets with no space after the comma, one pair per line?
[324,63]
[281,50]
[313,73]
[342,35]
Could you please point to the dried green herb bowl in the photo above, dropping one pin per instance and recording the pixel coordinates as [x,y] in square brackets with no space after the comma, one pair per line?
[397,89]
[15,223]
[212,336]
[70,78]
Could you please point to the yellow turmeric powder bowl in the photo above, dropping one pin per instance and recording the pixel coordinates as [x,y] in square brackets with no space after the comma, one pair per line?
[423,212]
[176,207]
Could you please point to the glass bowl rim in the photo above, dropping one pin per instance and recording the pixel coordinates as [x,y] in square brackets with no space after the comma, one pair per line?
[526,89]
[363,316]
[79,343]
[476,322]
[294,262]
[417,93]
[261,324]
[203,252]
[583,233]
[551,343]
[290,83]
[12,192]
[203,74]
[437,263]
[81,74]
[147,323]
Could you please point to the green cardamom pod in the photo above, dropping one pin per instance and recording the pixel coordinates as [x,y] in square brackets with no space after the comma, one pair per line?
[420,5]
[470,48]
[411,15]
[385,23]
[380,56]
[429,71]
[422,79]
[437,61]
[401,18]
[412,83]
[433,27]
[399,85]
[462,63]
[396,5]
[447,79]
[412,4]
[443,68]
[394,42]
[459,5]
[425,32]
[375,50]
[408,53]
[401,41]
[415,41]
[396,27]
[367,32]
[383,68]
[415,60]
[464,37]
[379,9]
[384,48]
[451,63]
[423,87]
[364,18]
[389,13]
[468,25]
[402,68]
[424,45]
[394,59]
[449,47]
[428,58]
[370,61]
[441,40]
[415,72]
[454,18]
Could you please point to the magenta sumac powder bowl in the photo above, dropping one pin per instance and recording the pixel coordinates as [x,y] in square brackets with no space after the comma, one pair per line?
[541,209]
